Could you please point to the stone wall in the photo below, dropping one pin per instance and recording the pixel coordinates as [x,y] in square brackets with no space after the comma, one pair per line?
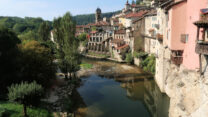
[188,92]
[137,61]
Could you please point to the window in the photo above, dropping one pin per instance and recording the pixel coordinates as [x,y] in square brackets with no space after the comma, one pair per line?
[154,18]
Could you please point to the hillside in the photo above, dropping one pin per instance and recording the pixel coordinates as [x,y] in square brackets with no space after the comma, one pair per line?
[90,18]
[21,25]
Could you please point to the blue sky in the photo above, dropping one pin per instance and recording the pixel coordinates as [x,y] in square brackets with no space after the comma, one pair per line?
[48,9]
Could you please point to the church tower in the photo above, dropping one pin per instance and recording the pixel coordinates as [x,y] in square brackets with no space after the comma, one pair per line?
[98,15]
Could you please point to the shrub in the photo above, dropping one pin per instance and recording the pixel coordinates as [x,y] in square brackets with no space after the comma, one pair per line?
[149,64]
[129,58]
[25,94]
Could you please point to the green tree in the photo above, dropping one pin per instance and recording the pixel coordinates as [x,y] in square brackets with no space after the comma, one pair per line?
[138,1]
[44,31]
[129,58]
[67,53]
[8,58]
[82,37]
[36,63]
[25,94]
[133,2]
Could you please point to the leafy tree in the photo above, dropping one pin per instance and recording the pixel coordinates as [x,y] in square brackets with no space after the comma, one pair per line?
[133,2]
[30,35]
[138,1]
[82,37]
[25,94]
[36,63]
[8,58]
[44,31]
[67,53]
[129,58]
[93,28]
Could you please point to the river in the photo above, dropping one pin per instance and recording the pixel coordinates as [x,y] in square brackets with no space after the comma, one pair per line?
[118,90]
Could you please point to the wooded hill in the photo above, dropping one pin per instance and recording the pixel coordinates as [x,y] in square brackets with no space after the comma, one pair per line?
[90,18]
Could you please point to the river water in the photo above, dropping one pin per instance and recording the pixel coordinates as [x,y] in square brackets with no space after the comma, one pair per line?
[118,90]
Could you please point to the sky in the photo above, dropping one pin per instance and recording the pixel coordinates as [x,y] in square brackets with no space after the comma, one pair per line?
[48,9]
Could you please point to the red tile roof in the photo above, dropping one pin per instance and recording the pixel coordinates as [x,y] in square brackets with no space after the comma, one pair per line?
[120,31]
[122,47]
[117,41]
[100,23]
[93,32]
[132,15]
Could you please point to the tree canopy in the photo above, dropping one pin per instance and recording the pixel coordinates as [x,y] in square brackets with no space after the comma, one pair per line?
[67,54]
[25,94]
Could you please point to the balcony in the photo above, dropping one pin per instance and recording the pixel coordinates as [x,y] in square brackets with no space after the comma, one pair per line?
[202,47]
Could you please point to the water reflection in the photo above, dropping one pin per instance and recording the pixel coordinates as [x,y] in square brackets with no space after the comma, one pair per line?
[120,91]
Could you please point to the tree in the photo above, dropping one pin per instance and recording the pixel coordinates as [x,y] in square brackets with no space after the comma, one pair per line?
[129,58]
[8,58]
[138,1]
[44,31]
[67,53]
[82,37]
[25,94]
[133,2]
[36,63]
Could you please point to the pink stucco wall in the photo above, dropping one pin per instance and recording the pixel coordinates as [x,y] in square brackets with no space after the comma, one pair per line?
[191,59]
[177,14]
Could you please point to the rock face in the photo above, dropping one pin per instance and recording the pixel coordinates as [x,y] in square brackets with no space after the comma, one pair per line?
[188,93]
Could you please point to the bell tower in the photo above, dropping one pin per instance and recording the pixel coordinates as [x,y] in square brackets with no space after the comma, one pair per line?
[98,15]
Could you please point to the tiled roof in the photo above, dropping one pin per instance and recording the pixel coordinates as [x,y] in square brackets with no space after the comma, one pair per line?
[122,47]
[117,41]
[100,23]
[151,12]
[120,31]
[133,15]
[81,26]
[93,32]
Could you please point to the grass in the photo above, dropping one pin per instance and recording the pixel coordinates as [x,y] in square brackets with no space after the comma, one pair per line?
[97,55]
[8,109]
[86,66]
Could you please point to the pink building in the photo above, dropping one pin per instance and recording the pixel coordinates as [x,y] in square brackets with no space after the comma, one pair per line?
[182,33]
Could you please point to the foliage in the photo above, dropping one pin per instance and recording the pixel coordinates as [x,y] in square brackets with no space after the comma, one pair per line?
[141,55]
[25,94]
[36,63]
[44,31]
[21,25]
[2,112]
[82,37]
[15,110]
[90,18]
[30,35]
[129,58]
[86,66]
[138,1]
[149,64]
[8,58]
[97,55]
[67,53]
[93,28]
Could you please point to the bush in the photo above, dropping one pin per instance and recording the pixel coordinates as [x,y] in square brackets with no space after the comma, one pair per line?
[26,94]
[141,55]
[129,58]
[148,64]
[2,112]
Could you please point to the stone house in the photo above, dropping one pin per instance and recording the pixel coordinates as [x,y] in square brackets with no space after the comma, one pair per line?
[150,32]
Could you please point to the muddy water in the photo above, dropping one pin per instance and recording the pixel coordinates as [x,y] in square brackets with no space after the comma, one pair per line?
[118,90]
